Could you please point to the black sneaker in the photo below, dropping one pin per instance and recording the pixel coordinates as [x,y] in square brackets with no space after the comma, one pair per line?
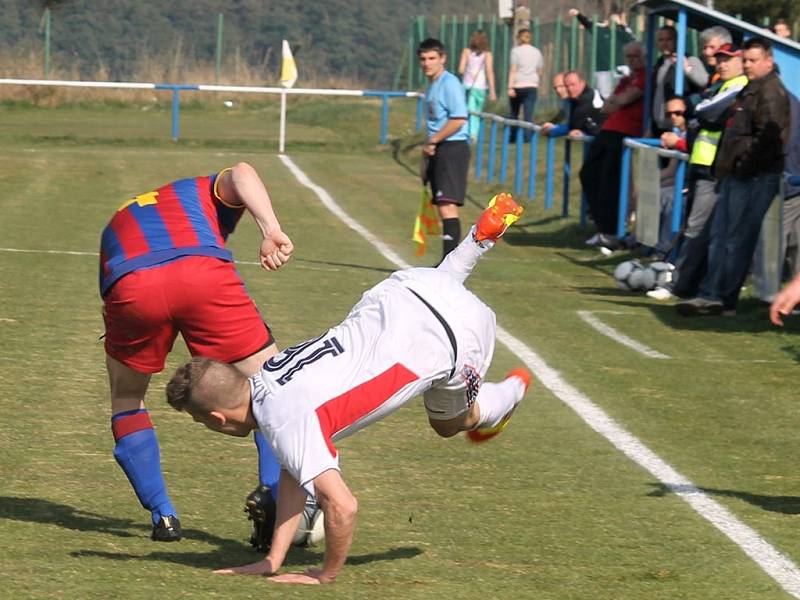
[698,307]
[168,529]
[260,508]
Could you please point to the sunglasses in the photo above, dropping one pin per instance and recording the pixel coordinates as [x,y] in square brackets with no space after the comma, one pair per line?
[677,113]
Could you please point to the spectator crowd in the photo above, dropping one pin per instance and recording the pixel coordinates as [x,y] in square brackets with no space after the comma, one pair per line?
[733,118]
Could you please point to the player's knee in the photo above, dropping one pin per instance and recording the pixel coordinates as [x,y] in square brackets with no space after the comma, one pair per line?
[445,429]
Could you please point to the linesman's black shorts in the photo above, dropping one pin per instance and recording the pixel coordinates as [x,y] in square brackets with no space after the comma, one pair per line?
[447,172]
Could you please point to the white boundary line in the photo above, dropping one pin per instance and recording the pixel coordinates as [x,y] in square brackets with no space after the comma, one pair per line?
[766,556]
[589,317]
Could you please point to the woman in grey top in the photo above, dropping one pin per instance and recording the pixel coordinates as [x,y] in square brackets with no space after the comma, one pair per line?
[523,78]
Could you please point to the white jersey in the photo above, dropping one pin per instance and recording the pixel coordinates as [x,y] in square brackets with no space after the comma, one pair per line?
[417,332]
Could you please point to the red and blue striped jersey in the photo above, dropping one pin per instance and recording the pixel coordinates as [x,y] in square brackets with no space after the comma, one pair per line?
[182,218]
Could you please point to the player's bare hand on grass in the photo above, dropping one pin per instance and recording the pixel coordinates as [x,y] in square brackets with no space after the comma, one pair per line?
[310,577]
[262,567]
[276,250]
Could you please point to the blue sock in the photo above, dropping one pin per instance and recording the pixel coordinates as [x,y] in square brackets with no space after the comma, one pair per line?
[138,454]
[269,470]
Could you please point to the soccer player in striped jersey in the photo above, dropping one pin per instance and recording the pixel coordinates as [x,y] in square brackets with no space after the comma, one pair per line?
[164,270]
[419,332]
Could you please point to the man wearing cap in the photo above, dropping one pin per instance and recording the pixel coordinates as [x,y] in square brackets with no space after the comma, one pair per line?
[704,136]
[748,164]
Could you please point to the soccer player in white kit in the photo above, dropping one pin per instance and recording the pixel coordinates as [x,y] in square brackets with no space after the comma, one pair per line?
[419,332]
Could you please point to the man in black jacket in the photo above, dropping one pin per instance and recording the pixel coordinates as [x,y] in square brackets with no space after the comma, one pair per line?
[585,104]
[748,165]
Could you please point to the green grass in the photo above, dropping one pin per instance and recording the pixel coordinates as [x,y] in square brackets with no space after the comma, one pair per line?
[549,510]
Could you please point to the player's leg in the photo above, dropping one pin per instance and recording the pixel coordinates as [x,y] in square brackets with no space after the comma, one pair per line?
[136,449]
[449,170]
[495,404]
[493,222]
[138,338]
[260,504]
[491,410]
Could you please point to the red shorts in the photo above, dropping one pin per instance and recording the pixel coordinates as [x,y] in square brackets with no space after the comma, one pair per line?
[203,298]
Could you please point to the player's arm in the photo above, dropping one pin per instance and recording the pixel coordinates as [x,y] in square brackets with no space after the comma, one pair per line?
[291,499]
[241,186]
[339,507]
[448,129]
[288,508]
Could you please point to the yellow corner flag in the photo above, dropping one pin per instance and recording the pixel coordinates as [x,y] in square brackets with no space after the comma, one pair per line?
[288,66]
[426,223]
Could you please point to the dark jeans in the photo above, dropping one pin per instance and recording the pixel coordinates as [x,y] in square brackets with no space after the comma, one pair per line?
[735,228]
[526,99]
[600,179]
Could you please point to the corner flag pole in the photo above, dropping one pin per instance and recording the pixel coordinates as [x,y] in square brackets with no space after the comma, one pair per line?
[288,79]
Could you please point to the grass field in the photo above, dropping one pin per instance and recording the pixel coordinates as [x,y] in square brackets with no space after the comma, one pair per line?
[549,510]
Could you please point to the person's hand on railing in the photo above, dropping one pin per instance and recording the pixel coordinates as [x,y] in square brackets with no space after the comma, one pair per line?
[669,139]
[546,127]
[573,12]
[573,133]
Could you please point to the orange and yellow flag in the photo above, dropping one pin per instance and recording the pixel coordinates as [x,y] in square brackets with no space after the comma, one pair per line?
[426,223]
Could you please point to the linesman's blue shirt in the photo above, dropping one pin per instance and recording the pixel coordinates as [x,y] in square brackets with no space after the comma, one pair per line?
[445,100]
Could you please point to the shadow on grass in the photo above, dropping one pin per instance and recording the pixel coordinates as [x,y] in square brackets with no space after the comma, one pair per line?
[236,554]
[788,505]
[227,553]
[348,265]
[751,317]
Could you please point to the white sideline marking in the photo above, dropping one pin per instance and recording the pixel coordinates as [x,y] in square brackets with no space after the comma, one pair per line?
[766,556]
[71,252]
[589,317]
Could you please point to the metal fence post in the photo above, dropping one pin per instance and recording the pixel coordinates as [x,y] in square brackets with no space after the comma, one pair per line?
[518,161]
[492,152]
[504,153]
[220,20]
[533,153]
[624,187]
[573,44]
[176,112]
[452,46]
[549,173]
[46,43]
[479,149]
[385,119]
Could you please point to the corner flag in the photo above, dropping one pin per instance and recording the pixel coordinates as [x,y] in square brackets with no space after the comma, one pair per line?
[288,66]
[426,223]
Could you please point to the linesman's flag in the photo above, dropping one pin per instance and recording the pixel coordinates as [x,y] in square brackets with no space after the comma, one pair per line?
[426,223]
[288,66]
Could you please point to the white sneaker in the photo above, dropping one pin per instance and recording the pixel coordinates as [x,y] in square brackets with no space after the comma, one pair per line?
[594,240]
[660,293]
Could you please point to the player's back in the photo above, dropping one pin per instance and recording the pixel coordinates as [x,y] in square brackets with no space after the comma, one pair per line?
[182,218]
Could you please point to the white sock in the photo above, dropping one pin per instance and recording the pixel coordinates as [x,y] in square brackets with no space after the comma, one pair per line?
[495,400]
[460,262]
